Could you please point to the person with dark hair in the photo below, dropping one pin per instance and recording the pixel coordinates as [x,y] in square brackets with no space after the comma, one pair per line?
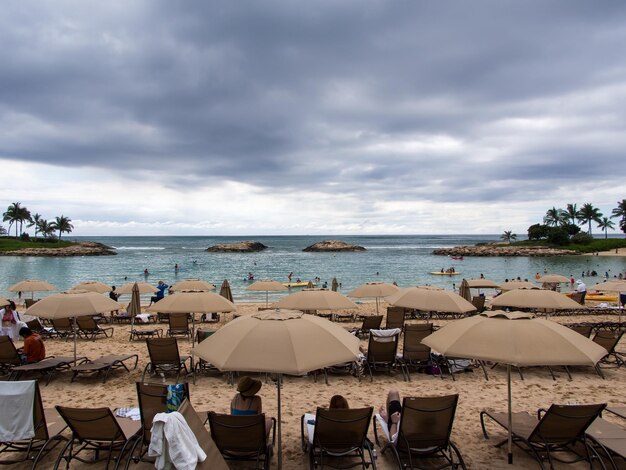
[34,350]
[338,401]
[160,293]
[113,295]
[11,322]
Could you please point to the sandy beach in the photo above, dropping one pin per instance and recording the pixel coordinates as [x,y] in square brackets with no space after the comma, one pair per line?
[302,394]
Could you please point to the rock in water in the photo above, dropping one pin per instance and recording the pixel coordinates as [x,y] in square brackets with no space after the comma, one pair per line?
[238,247]
[333,245]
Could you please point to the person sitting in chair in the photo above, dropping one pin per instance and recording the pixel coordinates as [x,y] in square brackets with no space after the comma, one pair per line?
[390,412]
[34,349]
[246,402]
[160,293]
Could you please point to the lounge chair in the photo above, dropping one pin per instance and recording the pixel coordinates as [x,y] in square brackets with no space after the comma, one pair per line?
[395,318]
[556,430]
[338,433]
[96,430]
[104,365]
[152,399]
[36,326]
[214,460]
[424,432]
[62,328]
[578,297]
[478,301]
[584,330]
[243,437]
[372,322]
[610,438]
[609,340]
[179,325]
[48,427]
[47,367]
[30,302]
[381,351]
[89,329]
[164,358]
[414,353]
[9,357]
[201,365]
[143,334]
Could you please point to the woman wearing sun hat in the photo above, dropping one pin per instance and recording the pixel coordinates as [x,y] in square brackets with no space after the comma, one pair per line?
[246,402]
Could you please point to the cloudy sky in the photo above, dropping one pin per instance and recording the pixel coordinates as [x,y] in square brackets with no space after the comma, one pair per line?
[326,117]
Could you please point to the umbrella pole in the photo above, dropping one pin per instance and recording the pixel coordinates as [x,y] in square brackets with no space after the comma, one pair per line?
[510,445]
[75,340]
[280,449]
[267,299]
[376,305]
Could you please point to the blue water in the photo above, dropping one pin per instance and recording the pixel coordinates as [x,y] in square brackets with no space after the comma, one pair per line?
[406,260]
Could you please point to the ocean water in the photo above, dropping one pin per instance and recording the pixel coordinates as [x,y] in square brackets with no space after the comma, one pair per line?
[407,260]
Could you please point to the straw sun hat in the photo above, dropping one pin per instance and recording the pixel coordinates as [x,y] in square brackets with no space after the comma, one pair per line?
[248,387]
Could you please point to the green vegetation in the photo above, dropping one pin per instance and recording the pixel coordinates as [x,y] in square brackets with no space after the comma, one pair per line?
[588,245]
[16,215]
[11,244]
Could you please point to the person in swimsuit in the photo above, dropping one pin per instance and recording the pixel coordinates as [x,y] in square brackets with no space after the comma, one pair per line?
[390,412]
[246,402]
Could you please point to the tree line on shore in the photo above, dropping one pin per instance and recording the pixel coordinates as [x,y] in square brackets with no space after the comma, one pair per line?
[17,215]
[561,226]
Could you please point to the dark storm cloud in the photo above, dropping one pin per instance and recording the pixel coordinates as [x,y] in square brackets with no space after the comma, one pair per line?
[400,100]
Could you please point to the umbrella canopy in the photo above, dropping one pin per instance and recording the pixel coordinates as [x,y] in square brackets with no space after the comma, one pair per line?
[514,338]
[482,284]
[225,291]
[554,279]
[192,302]
[192,284]
[278,342]
[334,285]
[32,285]
[511,285]
[267,285]
[316,299]
[93,286]
[611,286]
[374,289]
[3,302]
[134,308]
[144,288]
[464,290]
[430,299]
[535,298]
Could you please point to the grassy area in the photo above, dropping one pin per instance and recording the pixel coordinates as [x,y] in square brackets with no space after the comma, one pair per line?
[11,244]
[598,244]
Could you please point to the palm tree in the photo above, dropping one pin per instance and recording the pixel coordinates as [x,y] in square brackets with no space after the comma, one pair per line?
[508,236]
[3,231]
[23,216]
[620,211]
[605,224]
[554,217]
[34,222]
[45,228]
[572,213]
[11,215]
[62,224]
[588,214]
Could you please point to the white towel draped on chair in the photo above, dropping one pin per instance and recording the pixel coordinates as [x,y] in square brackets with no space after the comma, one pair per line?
[16,410]
[173,443]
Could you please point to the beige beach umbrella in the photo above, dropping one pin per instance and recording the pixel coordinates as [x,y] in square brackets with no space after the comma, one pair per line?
[373,289]
[225,290]
[535,299]
[267,285]
[93,286]
[554,279]
[32,286]
[134,307]
[514,339]
[144,288]
[316,299]
[193,284]
[482,284]
[4,302]
[430,299]
[617,286]
[511,285]
[464,290]
[281,342]
[72,304]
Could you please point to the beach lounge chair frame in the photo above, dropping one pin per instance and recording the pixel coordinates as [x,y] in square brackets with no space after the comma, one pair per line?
[9,357]
[152,400]
[179,325]
[609,438]
[165,358]
[478,301]
[414,353]
[339,433]
[96,430]
[553,431]
[143,334]
[395,318]
[89,329]
[381,353]
[201,365]
[36,326]
[584,330]
[424,432]
[609,341]
[104,365]
[371,322]
[62,328]
[243,438]
[46,367]
[48,427]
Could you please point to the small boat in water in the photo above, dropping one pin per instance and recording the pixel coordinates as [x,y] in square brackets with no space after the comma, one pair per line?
[445,273]
[297,284]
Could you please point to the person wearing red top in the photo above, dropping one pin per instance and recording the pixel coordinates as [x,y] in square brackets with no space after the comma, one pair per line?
[34,350]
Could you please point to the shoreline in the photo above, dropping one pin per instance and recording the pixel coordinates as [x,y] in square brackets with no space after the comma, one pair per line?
[620,252]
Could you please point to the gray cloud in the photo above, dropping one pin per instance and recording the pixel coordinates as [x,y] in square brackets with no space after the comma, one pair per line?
[394,100]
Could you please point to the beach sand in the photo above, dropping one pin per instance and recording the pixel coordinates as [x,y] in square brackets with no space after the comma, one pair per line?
[618,252]
[302,394]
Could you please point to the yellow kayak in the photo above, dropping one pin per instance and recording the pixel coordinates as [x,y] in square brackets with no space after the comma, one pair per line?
[600,297]
[439,273]
[296,284]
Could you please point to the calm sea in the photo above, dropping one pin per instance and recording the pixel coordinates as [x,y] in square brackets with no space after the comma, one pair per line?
[407,260]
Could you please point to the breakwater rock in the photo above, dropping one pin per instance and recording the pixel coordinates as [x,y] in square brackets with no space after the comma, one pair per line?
[77,249]
[239,247]
[333,245]
[503,250]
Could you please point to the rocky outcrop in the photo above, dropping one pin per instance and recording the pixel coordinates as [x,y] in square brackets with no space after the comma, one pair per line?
[503,250]
[239,247]
[77,249]
[333,245]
